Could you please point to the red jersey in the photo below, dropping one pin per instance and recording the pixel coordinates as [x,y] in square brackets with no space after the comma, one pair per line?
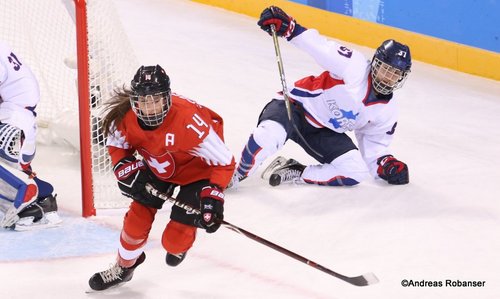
[187,147]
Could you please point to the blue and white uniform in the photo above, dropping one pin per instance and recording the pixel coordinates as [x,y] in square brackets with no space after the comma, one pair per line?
[338,100]
[25,200]
[19,95]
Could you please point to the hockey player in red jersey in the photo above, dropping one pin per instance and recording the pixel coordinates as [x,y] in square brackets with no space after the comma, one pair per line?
[352,94]
[180,143]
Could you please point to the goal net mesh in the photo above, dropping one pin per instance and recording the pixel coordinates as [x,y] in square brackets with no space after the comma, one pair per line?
[43,33]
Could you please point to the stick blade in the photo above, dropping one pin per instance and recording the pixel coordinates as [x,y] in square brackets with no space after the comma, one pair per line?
[363,280]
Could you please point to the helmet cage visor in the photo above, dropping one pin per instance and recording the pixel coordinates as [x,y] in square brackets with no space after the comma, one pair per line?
[386,78]
[151,108]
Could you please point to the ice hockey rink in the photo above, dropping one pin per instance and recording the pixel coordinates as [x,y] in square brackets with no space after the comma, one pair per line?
[444,225]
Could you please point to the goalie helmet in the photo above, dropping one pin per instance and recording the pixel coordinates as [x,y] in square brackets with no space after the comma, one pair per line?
[10,142]
[390,66]
[150,98]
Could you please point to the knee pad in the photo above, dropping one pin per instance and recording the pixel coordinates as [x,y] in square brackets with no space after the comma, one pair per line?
[266,139]
[178,237]
[270,135]
[136,226]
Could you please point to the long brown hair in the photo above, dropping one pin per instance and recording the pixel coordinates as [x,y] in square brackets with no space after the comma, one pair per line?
[115,109]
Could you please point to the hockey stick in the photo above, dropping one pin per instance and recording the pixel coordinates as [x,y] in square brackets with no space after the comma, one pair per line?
[361,280]
[285,89]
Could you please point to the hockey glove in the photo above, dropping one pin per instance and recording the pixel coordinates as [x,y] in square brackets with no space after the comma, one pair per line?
[283,23]
[212,208]
[392,170]
[132,177]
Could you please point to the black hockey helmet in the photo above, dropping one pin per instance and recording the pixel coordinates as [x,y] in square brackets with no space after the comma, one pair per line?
[149,80]
[391,64]
[150,98]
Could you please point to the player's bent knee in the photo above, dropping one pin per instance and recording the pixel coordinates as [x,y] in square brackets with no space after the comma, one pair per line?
[270,135]
[178,237]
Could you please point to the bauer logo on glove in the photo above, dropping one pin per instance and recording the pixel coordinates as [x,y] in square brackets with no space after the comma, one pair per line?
[127,168]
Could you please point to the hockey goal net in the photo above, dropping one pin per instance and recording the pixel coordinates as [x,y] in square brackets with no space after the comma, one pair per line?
[50,35]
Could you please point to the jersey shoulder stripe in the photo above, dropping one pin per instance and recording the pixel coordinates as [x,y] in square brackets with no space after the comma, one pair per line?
[313,86]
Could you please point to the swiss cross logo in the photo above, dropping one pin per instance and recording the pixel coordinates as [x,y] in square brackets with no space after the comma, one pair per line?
[207,217]
[163,166]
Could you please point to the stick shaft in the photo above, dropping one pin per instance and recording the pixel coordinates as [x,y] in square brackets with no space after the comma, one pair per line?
[358,280]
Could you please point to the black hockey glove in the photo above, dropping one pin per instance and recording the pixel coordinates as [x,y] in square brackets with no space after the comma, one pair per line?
[212,208]
[132,177]
[392,170]
[283,23]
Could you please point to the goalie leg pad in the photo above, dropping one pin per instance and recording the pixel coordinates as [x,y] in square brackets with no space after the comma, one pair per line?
[16,186]
[18,189]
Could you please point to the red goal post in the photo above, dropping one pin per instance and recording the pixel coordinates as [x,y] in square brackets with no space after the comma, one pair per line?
[82,49]
[79,53]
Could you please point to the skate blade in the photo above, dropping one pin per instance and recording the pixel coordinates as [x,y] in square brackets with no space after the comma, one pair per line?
[277,162]
[113,290]
[37,226]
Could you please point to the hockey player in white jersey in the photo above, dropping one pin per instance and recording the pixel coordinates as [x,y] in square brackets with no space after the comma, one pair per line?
[26,201]
[352,94]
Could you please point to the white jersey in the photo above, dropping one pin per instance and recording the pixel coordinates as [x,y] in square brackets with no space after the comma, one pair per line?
[19,95]
[341,98]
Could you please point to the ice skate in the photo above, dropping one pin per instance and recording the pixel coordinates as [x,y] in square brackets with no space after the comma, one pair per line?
[40,214]
[276,163]
[235,180]
[174,260]
[114,276]
[289,172]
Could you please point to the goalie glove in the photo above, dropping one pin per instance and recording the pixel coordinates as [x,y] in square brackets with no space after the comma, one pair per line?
[392,170]
[132,177]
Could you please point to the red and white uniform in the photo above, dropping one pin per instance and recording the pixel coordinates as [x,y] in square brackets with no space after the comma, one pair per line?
[187,147]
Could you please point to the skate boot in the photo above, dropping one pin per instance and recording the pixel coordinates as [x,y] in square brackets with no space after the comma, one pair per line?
[289,172]
[235,180]
[114,275]
[174,260]
[40,214]
[276,163]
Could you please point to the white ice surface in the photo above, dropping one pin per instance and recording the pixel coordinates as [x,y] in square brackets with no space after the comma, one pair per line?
[444,225]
